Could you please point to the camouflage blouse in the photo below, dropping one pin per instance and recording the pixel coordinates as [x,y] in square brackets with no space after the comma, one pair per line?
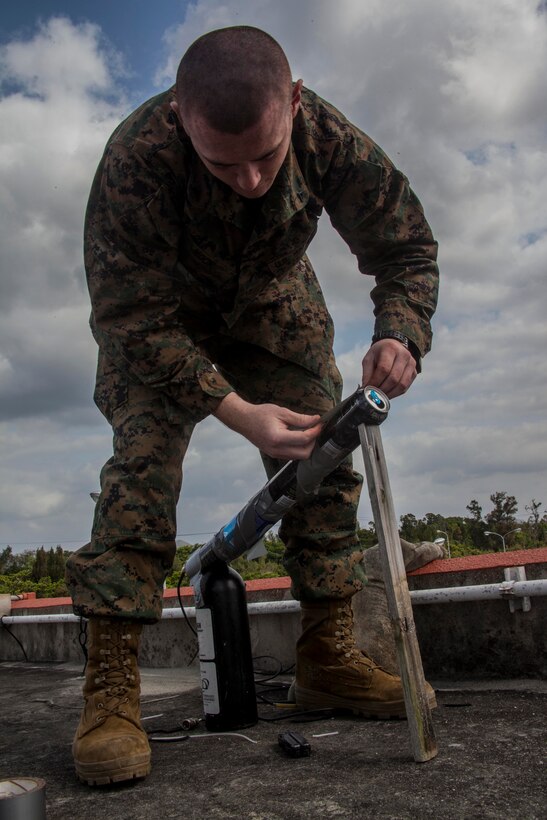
[174,256]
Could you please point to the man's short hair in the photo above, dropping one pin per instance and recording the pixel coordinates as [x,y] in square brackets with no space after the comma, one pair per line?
[229,77]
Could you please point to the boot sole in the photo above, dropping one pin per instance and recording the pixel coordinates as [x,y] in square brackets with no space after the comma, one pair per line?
[391,710]
[113,771]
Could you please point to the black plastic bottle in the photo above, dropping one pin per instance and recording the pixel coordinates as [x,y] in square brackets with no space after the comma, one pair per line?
[226,664]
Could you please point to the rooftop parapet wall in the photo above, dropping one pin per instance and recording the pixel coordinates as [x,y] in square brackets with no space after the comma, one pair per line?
[482,639]
[276,589]
[467,640]
[484,561]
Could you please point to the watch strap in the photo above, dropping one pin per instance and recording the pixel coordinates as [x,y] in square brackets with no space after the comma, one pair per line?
[392,334]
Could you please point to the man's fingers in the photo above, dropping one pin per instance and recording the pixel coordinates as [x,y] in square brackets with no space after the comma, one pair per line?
[277,431]
[292,443]
[299,421]
[398,379]
[401,386]
[389,366]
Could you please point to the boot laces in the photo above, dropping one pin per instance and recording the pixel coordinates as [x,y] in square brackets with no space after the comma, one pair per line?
[346,639]
[117,677]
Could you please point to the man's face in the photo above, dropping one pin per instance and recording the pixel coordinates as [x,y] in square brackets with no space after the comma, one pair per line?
[247,162]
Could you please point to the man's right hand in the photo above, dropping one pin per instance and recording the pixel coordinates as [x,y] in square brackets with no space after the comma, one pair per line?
[278,432]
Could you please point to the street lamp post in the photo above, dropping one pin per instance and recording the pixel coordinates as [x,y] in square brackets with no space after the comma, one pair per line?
[503,537]
[442,532]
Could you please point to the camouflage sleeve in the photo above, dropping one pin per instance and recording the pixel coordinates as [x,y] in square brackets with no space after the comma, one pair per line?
[373,208]
[131,246]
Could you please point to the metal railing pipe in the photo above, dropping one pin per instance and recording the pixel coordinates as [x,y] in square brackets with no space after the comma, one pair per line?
[479,592]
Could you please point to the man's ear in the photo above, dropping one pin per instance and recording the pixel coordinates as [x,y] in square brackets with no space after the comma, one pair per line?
[296,97]
[176,110]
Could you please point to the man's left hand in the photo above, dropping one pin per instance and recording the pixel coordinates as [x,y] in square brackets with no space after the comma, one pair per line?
[390,366]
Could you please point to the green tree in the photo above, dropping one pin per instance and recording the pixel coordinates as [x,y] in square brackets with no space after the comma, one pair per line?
[475,509]
[22,561]
[367,536]
[534,521]
[182,554]
[39,567]
[50,562]
[409,527]
[18,582]
[502,516]
[275,548]
[533,509]
[6,557]
[55,563]
[267,566]
[475,527]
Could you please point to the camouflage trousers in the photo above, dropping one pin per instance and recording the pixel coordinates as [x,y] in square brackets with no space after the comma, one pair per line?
[121,572]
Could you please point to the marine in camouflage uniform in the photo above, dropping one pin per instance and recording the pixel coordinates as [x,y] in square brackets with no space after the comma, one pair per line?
[197,292]
[204,302]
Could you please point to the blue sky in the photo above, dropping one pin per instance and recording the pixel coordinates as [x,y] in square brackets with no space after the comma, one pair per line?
[453,91]
[135,28]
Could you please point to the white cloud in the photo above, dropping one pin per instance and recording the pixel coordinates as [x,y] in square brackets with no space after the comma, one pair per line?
[62,62]
[60,101]
[27,500]
[53,130]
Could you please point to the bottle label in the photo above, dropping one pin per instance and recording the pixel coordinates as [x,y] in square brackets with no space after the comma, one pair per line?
[209,688]
[204,628]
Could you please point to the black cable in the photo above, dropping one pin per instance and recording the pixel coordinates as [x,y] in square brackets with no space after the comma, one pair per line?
[283,686]
[182,607]
[82,640]
[266,685]
[186,618]
[274,674]
[307,716]
[288,671]
[274,687]
[15,638]
[262,696]
[194,656]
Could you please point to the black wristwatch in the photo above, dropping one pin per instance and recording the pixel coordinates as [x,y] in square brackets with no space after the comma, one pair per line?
[392,334]
[400,337]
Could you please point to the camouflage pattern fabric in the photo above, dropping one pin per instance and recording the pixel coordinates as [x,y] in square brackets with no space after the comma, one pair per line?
[173,255]
[180,270]
[121,572]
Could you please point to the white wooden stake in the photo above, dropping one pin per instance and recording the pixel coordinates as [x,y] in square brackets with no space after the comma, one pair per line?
[422,735]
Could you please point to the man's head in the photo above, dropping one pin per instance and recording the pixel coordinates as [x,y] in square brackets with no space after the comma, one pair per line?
[236,101]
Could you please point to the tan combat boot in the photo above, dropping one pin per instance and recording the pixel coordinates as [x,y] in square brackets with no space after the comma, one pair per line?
[110,744]
[331,672]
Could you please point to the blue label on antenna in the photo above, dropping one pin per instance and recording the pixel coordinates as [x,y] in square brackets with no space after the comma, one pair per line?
[228,530]
[379,402]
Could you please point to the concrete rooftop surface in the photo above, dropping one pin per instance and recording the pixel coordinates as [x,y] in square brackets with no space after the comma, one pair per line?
[492,739]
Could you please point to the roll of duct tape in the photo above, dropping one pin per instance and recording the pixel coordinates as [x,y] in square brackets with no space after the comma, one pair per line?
[23,798]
